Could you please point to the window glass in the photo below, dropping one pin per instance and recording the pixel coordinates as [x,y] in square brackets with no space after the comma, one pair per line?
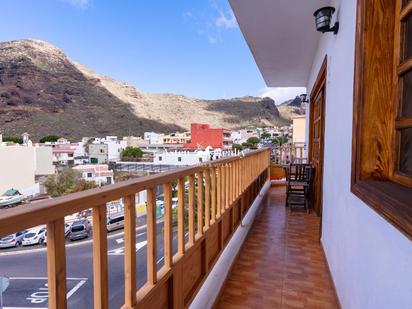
[407,94]
[408,38]
[405,156]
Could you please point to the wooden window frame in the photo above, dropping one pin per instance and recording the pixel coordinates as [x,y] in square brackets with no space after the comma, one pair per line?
[374,146]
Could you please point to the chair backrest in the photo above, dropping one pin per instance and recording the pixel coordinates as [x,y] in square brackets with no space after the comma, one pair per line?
[299,172]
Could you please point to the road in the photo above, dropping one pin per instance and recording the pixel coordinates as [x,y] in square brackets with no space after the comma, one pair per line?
[27,271]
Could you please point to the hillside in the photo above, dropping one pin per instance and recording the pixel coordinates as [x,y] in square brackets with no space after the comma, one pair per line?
[291,108]
[42,91]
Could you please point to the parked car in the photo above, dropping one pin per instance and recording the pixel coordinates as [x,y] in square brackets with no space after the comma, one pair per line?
[66,232]
[79,230]
[34,236]
[12,240]
[115,223]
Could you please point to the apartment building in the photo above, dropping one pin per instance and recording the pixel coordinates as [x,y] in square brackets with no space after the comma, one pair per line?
[202,136]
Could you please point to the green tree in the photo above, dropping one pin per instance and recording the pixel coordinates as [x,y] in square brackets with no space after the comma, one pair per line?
[131,153]
[237,147]
[14,139]
[252,142]
[49,138]
[265,135]
[280,140]
[68,181]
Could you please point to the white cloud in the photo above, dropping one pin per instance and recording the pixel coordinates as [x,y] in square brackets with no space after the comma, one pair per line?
[82,4]
[282,94]
[226,21]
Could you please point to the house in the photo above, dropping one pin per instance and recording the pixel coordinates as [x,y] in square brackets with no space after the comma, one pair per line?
[135,141]
[202,136]
[21,164]
[176,138]
[63,156]
[299,129]
[98,153]
[358,136]
[114,148]
[99,173]
[153,138]
[241,136]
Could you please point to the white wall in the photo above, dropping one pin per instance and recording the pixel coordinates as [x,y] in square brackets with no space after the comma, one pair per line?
[44,160]
[17,168]
[370,260]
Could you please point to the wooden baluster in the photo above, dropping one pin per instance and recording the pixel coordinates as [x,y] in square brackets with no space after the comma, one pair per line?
[181,216]
[222,188]
[227,186]
[100,271]
[168,234]
[214,190]
[219,191]
[56,264]
[295,152]
[151,237]
[191,209]
[207,198]
[200,203]
[130,250]
[232,181]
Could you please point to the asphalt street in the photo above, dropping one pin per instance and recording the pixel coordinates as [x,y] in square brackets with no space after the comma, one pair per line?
[27,271]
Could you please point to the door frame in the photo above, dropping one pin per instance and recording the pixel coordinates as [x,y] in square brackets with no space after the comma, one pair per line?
[319,84]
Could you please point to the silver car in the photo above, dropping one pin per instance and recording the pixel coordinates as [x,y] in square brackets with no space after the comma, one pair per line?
[12,240]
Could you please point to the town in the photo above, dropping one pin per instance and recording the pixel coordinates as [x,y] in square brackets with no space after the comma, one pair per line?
[100,161]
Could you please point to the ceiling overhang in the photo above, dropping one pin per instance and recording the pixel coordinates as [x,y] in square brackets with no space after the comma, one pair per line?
[282,37]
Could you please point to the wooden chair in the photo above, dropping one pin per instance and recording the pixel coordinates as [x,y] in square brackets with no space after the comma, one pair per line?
[298,185]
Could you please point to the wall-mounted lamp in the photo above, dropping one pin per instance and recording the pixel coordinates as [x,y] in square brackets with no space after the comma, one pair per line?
[323,19]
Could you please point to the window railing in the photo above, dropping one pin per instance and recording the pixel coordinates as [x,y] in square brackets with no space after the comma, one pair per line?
[212,200]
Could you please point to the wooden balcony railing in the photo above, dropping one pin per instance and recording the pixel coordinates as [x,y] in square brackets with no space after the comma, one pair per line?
[291,153]
[225,189]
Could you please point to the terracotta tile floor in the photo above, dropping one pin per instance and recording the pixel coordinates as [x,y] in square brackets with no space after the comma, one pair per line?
[281,264]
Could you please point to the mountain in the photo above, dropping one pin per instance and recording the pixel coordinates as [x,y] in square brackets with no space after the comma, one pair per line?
[291,108]
[42,91]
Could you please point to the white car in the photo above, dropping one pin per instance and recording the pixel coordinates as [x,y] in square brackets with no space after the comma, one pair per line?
[12,240]
[34,236]
[66,232]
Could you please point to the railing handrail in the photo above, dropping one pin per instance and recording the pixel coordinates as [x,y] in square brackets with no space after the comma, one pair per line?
[15,219]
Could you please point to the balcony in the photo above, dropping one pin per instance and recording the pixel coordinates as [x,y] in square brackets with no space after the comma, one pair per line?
[281,264]
[212,201]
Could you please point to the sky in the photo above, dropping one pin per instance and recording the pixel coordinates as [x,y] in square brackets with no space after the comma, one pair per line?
[190,47]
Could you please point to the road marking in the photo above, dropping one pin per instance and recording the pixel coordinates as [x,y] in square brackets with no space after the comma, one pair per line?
[76,287]
[43,278]
[120,251]
[23,308]
[68,245]
[40,295]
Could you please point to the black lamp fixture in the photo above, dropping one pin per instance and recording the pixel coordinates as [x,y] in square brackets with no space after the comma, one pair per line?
[323,19]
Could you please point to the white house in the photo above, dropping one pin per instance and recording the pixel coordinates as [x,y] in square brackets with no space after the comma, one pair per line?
[63,155]
[99,173]
[358,131]
[153,137]
[21,164]
[181,157]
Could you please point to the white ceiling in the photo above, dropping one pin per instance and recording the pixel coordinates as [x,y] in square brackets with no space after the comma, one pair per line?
[282,37]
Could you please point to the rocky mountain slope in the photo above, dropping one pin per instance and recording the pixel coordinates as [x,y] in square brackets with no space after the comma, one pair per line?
[43,92]
[291,108]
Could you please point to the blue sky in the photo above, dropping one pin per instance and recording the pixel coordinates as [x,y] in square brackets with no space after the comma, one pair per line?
[191,47]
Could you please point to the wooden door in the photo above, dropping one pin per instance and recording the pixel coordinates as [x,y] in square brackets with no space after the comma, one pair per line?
[316,136]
